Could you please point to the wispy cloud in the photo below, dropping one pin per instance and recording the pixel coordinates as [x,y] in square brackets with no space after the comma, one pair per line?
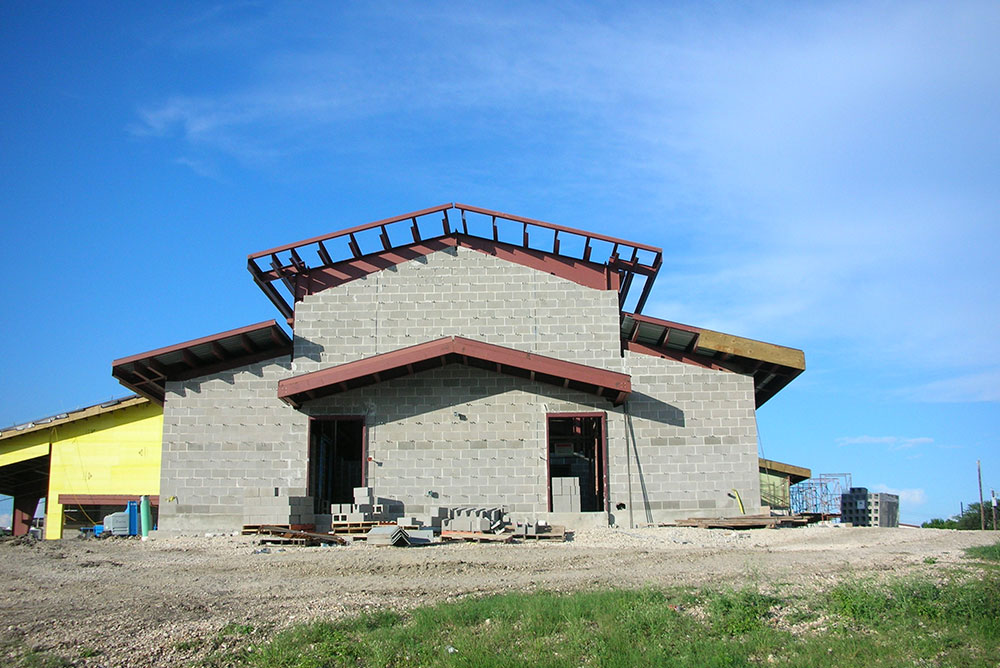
[911,497]
[5,520]
[976,387]
[890,442]
[805,164]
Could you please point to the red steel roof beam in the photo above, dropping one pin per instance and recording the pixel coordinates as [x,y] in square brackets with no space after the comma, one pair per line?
[358,228]
[324,255]
[553,226]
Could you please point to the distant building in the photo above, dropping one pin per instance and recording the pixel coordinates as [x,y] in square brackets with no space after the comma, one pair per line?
[864,509]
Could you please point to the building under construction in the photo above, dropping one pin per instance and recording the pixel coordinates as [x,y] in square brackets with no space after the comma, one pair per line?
[458,356]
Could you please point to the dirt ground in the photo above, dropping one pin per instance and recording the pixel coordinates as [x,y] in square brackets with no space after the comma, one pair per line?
[160,602]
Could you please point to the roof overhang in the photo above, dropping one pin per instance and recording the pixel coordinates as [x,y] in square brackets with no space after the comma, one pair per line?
[795,474]
[28,477]
[613,386]
[771,366]
[147,373]
[281,269]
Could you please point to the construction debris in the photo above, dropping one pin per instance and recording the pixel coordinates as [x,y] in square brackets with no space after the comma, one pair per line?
[388,535]
[747,521]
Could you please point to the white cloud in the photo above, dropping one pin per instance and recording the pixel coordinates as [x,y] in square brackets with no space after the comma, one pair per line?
[836,162]
[891,442]
[977,387]
[911,497]
[5,520]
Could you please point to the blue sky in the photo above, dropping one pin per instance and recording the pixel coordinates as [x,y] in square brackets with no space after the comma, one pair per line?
[822,176]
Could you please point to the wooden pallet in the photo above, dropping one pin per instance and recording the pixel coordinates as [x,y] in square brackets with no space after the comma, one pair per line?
[252,529]
[281,535]
[355,528]
[476,537]
[555,532]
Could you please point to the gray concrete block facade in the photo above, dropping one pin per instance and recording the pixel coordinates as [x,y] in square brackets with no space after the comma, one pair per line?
[459,435]
[458,292]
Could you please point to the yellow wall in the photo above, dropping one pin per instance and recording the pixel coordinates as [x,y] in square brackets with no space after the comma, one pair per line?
[28,446]
[114,453]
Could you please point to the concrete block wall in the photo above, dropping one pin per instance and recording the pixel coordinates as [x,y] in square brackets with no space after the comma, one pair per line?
[458,436]
[458,292]
[223,435]
[696,437]
[466,436]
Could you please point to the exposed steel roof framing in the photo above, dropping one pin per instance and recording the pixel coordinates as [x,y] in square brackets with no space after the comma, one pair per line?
[347,250]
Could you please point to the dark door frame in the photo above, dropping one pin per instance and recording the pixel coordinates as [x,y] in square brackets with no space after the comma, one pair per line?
[601,454]
[364,444]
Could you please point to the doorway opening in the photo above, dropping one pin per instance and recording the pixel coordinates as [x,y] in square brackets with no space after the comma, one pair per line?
[577,462]
[336,460]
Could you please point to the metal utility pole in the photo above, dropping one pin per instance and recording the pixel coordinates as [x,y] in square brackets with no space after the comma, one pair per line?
[982,511]
[993,493]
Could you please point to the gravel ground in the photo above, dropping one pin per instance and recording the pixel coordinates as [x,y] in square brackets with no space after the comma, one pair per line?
[163,601]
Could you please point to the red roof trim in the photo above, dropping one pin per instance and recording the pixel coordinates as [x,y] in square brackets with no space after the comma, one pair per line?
[612,385]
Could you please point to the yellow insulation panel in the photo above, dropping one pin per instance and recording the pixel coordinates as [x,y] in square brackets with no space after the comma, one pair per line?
[23,447]
[114,453]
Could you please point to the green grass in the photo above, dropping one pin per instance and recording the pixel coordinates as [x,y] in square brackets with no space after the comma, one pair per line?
[15,654]
[901,622]
[985,552]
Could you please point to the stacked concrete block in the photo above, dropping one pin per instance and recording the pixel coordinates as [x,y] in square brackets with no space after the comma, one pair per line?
[473,519]
[262,507]
[565,495]
[366,507]
[364,496]
[409,522]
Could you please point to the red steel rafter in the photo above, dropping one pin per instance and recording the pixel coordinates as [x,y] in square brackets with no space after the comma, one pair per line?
[290,263]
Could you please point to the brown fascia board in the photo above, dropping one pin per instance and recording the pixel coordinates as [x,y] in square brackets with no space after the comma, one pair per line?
[757,350]
[73,416]
[733,345]
[796,473]
[319,383]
